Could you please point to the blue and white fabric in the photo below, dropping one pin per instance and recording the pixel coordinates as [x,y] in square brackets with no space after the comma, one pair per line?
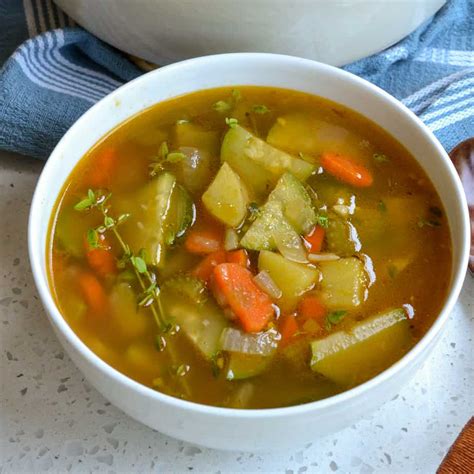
[54,77]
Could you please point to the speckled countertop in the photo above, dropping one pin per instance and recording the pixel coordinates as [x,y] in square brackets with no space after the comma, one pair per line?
[52,420]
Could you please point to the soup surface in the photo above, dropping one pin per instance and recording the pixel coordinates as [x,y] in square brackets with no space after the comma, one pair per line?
[250,247]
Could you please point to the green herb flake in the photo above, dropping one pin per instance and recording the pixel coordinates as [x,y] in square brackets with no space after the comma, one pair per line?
[139,264]
[93,238]
[260,109]
[160,343]
[222,106]
[84,204]
[182,370]
[322,220]
[380,158]
[231,122]
[175,157]
[335,317]
[109,222]
[381,206]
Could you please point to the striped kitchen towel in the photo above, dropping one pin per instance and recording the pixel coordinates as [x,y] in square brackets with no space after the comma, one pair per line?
[54,77]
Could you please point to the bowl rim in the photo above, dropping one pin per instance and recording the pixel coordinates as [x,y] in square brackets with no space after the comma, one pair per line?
[55,316]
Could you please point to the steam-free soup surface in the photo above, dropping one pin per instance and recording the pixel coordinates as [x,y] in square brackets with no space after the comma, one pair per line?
[249,247]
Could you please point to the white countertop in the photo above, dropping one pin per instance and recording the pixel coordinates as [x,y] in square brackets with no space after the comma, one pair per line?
[51,419]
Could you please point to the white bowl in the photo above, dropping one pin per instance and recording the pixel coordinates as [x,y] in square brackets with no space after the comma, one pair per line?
[330,31]
[230,428]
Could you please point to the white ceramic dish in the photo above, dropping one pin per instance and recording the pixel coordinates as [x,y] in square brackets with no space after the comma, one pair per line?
[229,428]
[331,31]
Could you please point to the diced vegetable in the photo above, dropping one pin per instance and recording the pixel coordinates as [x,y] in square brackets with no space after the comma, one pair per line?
[343,283]
[239,256]
[131,320]
[258,163]
[345,169]
[195,170]
[315,239]
[188,134]
[227,197]
[206,266]
[93,293]
[250,304]
[187,286]
[288,327]
[292,278]
[160,212]
[204,240]
[231,239]
[266,283]
[322,257]
[262,343]
[352,356]
[243,366]
[288,242]
[310,307]
[342,237]
[202,323]
[259,180]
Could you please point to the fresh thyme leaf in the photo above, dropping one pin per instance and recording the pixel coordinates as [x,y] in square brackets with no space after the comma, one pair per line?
[160,343]
[122,218]
[260,109]
[335,317]
[109,222]
[380,157]
[85,204]
[222,106]
[381,206]
[322,220]
[182,370]
[175,157]
[139,264]
[91,195]
[231,122]
[93,239]
[101,229]
[428,223]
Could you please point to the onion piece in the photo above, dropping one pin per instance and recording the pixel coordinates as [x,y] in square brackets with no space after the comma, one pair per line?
[265,282]
[231,240]
[322,257]
[290,244]
[262,343]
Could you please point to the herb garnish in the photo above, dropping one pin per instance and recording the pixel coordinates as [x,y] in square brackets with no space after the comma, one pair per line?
[254,211]
[333,318]
[380,158]
[260,109]
[231,122]
[227,105]
[322,220]
[165,155]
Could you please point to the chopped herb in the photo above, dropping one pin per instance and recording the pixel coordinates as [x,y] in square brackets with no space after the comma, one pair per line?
[182,370]
[428,223]
[93,238]
[322,220]
[109,222]
[85,204]
[380,158]
[333,318]
[231,122]
[139,264]
[254,211]
[381,206]
[260,109]
[222,106]
[175,157]
[122,218]
[160,343]
[436,211]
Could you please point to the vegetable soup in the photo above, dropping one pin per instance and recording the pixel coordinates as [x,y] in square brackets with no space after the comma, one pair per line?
[250,248]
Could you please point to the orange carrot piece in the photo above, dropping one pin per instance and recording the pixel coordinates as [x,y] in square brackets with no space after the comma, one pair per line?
[288,327]
[204,240]
[239,256]
[101,172]
[206,266]
[310,307]
[93,292]
[315,239]
[344,169]
[101,259]
[249,303]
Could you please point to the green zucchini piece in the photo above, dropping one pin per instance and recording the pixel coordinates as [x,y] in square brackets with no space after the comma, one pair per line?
[343,283]
[292,278]
[195,170]
[227,198]
[342,237]
[259,180]
[188,134]
[202,323]
[243,366]
[180,216]
[370,346]
[188,286]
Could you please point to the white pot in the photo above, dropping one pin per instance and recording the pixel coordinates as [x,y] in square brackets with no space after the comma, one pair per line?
[331,31]
[230,428]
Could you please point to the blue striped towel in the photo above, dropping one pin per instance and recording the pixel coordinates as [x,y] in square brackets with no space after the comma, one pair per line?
[53,78]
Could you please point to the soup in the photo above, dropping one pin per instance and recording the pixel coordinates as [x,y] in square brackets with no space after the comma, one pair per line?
[249,248]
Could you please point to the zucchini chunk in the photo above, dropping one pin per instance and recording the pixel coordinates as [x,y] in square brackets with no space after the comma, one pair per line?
[188,134]
[353,356]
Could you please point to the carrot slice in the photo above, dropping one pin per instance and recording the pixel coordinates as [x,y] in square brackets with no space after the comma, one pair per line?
[100,174]
[101,259]
[310,307]
[288,327]
[204,240]
[239,256]
[93,292]
[344,169]
[206,266]
[249,303]
[315,239]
